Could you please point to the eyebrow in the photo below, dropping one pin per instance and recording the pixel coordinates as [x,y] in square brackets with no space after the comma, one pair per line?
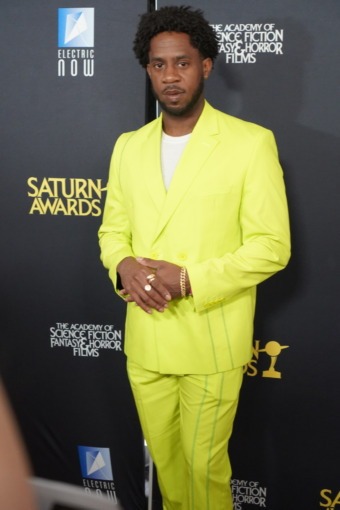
[178,57]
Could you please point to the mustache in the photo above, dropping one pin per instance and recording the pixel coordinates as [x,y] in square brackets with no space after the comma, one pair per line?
[172,88]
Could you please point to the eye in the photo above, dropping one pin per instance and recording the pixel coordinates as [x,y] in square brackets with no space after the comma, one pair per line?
[157,65]
[183,64]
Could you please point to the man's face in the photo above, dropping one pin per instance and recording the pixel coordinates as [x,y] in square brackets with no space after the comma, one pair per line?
[177,72]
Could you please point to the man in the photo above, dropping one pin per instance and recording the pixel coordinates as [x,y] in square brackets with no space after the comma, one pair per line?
[195,218]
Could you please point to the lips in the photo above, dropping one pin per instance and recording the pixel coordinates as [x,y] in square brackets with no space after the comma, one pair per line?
[172,91]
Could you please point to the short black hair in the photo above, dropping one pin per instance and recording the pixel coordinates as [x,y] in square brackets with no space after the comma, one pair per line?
[182,19]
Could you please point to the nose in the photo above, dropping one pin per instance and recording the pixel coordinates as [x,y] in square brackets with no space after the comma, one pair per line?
[170,74]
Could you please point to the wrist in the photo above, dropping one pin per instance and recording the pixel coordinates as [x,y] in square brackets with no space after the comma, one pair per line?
[122,263]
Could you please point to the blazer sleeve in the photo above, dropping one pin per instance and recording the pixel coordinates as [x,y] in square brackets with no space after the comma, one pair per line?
[114,233]
[264,222]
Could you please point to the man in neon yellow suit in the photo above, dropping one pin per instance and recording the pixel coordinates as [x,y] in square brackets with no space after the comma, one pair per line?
[195,218]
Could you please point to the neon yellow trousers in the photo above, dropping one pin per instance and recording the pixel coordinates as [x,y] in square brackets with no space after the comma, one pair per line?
[187,422]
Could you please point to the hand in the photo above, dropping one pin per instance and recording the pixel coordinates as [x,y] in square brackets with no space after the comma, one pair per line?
[133,276]
[166,274]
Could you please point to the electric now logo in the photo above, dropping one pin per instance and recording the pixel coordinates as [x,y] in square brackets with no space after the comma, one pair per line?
[76,27]
[76,42]
[95,463]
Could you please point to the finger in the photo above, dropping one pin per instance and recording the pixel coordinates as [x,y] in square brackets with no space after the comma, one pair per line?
[145,295]
[148,262]
[124,294]
[155,300]
[147,284]
[137,298]
[147,299]
[159,287]
[128,299]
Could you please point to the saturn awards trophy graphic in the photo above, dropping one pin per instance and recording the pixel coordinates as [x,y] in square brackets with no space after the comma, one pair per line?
[273,349]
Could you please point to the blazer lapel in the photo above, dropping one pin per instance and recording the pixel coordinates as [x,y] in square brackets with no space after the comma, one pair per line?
[151,164]
[202,142]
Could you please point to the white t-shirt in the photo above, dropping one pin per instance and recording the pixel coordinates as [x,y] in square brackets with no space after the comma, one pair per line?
[172,148]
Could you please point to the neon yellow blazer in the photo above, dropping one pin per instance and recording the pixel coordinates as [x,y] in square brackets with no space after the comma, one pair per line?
[224,218]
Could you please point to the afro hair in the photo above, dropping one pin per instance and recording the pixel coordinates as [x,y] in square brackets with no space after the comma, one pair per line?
[181,19]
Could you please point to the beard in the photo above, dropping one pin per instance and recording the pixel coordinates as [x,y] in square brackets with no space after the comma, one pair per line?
[187,108]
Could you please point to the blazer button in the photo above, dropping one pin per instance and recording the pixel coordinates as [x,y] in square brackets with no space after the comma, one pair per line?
[182,256]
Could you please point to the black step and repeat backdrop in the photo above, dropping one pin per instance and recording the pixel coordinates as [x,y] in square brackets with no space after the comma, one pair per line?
[69,86]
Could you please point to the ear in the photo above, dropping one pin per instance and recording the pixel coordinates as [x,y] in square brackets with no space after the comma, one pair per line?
[148,69]
[207,67]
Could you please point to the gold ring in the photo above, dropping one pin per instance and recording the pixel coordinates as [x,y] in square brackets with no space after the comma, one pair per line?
[147,287]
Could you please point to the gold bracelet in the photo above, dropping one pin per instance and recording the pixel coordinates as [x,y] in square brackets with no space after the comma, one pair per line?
[182,281]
